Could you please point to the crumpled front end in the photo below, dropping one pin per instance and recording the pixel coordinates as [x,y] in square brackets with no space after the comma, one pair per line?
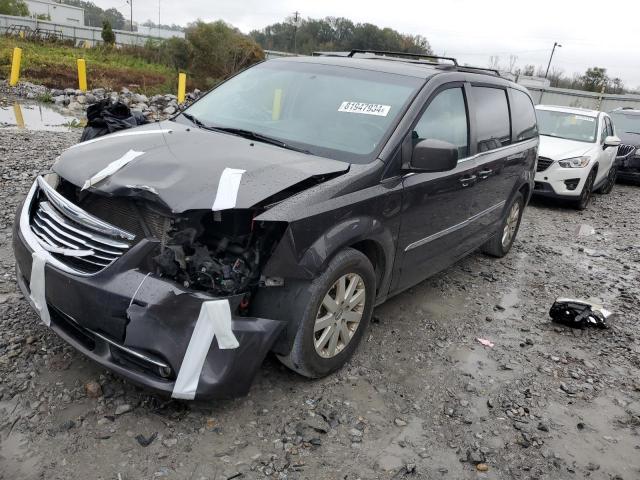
[159,299]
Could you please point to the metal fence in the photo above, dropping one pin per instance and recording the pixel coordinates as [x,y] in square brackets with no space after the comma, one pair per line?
[579,98]
[80,35]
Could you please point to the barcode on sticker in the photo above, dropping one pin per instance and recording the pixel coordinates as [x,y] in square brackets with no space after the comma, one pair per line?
[365,108]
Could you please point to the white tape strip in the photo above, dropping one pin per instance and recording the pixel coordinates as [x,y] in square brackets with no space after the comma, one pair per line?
[227,189]
[112,168]
[37,286]
[214,321]
[118,135]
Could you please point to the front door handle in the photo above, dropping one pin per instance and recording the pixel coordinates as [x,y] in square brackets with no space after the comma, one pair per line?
[466,181]
[484,173]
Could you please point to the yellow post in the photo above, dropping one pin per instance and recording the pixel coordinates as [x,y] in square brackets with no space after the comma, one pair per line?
[82,75]
[15,66]
[277,104]
[17,111]
[182,87]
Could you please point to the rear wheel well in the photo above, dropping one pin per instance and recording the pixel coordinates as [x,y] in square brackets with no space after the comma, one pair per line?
[373,251]
[525,190]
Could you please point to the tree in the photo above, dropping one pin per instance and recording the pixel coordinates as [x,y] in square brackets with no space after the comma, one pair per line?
[115,18]
[108,37]
[336,34]
[594,79]
[220,50]
[17,8]
[177,52]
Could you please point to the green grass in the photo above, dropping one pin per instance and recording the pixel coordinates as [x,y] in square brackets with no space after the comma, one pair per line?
[54,65]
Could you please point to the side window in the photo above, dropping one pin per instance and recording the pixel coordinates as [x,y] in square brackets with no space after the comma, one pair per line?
[445,119]
[523,116]
[609,126]
[603,130]
[492,116]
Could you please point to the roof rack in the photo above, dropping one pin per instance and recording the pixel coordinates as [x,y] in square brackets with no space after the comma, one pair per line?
[403,54]
[466,68]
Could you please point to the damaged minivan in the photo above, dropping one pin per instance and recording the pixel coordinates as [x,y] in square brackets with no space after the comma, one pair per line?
[272,215]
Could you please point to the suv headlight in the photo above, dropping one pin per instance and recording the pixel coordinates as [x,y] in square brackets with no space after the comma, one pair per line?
[576,162]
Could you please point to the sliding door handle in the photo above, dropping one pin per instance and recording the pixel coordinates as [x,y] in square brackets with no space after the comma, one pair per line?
[484,173]
[466,181]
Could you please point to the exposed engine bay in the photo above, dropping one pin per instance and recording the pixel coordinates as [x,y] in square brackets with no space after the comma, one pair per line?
[219,252]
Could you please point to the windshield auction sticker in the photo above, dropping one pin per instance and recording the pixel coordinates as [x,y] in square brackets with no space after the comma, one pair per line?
[365,108]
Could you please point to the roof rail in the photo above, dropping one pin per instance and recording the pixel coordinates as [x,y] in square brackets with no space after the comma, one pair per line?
[403,54]
[467,68]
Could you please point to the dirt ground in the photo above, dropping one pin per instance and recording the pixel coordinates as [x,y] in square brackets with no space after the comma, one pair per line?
[420,399]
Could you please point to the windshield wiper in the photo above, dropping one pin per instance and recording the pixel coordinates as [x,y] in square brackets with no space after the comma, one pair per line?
[257,136]
[635,133]
[194,120]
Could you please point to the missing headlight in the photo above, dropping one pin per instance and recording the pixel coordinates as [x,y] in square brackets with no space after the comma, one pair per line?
[220,253]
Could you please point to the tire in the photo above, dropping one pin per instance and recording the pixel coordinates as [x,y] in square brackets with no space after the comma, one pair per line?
[587,191]
[611,181]
[500,244]
[305,358]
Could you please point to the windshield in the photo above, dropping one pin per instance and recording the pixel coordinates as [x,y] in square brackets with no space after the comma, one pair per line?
[626,123]
[571,126]
[336,112]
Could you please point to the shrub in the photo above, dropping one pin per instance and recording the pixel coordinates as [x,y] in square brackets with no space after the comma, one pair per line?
[108,37]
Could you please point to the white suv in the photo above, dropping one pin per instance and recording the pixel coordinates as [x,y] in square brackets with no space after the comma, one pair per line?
[577,153]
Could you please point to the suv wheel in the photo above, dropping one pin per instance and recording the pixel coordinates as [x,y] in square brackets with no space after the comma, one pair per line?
[334,316]
[587,189]
[500,244]
[611,181]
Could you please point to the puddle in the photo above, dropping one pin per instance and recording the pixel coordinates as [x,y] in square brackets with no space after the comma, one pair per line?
[19,115]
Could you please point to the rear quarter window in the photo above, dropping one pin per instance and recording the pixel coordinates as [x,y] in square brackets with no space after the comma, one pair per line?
[523,116]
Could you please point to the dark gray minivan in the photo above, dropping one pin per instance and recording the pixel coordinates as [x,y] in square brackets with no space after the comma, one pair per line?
[273,215]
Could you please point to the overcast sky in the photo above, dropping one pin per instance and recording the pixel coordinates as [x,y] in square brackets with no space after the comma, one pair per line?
[591,33]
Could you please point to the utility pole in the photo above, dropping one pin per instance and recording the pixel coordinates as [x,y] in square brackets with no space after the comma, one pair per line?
[555,44]
[296,15]
[158,18]
[130,2]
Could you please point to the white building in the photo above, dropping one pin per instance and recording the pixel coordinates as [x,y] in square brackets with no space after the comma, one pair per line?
[159,32]
[56,12]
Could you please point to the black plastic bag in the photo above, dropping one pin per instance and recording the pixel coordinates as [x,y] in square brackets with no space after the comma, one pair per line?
[579,313]
[105,117]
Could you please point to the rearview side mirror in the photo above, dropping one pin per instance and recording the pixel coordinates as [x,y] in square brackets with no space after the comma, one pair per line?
[434,156]
[611,141]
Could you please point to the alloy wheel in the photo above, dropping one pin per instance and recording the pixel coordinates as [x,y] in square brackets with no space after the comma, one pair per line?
[511,225]
[339,315]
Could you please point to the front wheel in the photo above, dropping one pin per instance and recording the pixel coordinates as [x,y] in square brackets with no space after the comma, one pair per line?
[587,190]
[500,244]
[334,316]
[610,182]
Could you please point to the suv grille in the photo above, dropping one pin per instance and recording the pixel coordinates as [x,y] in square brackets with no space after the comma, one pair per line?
[76,238]
[543,164]
[625,150]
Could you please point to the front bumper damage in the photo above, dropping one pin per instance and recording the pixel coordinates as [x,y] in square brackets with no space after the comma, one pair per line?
[150,330]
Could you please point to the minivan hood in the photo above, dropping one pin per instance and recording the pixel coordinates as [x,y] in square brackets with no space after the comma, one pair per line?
[181,165]
[560,148]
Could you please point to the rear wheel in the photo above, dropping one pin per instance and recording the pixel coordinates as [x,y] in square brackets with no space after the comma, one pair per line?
[587,190]
[334,316]
[610,182]
[500,244]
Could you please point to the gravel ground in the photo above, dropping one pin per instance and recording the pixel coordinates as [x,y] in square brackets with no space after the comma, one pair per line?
[421,398]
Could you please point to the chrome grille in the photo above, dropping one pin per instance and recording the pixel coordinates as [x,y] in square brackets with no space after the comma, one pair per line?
[543,164]
[74,237]
[625,150]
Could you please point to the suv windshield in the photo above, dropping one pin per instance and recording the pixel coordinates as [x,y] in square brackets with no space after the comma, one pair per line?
[336,112]
[626,123]
[571,126]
